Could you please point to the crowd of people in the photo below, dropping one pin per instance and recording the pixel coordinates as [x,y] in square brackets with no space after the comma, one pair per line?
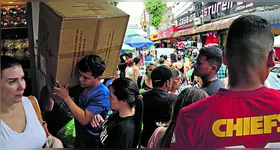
[208,98]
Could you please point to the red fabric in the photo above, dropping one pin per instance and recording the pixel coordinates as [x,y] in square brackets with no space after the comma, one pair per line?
[196,123]
[277,49]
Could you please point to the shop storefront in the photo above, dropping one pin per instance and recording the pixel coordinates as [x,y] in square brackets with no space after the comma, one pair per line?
[14,38]
[166,36]
[217,17]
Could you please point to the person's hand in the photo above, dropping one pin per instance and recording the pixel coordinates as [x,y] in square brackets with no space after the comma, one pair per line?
[61,92]
[96,120]
[56,143]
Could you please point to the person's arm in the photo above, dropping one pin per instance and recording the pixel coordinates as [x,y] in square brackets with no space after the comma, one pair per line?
[136,73]
[84,117]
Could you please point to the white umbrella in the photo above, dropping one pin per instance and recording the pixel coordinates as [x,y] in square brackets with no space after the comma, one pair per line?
[277,41]
[127,47]
[141,33]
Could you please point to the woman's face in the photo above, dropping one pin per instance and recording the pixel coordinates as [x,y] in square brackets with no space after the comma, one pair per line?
[149,70]
[12,85]
[176,82]
[114,102]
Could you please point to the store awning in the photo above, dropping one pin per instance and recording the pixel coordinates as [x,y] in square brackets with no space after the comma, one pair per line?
[185,32]
[217,25]
[272,16]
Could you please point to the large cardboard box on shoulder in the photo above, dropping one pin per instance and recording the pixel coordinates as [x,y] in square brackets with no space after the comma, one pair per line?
[70,30]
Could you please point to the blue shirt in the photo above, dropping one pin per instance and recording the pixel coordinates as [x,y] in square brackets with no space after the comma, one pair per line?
[96,101]
[109,82]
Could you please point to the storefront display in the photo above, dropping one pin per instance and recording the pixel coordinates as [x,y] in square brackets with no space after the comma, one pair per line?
[211,38]
[14,36]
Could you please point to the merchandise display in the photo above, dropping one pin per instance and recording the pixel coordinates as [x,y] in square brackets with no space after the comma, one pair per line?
[15,48]
[14,37]
[13,16]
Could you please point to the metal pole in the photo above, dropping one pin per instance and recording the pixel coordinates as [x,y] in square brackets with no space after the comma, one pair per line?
[150,18]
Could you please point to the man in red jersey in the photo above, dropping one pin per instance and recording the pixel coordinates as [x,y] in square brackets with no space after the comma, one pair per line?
[246,114]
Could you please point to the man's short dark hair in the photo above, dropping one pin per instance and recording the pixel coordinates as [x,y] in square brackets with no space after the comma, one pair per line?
[248,40]
[214,55]
[92,63]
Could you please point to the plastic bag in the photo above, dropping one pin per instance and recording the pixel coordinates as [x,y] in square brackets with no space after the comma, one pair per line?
[67,134]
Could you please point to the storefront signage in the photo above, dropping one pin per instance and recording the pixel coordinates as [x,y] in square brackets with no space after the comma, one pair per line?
[185,19]
[229,7]
[214,10]
[167,32]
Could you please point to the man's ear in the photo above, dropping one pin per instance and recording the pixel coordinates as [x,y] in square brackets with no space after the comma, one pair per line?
[214,67]
[270,60]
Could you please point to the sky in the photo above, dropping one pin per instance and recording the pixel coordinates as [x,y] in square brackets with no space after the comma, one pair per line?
[134,9]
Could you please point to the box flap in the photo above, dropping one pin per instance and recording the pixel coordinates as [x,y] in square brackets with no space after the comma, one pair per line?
[76,10]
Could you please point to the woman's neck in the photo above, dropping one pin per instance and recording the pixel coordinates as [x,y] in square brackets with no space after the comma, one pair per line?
[8,108]
[126,112]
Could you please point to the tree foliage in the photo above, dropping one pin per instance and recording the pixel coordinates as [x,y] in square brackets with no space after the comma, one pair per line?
[155,9]
[156,20]
[114,3]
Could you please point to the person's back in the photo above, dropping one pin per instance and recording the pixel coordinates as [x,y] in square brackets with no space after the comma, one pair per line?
[157,108]
[157,102]
[246,114]
[231,118]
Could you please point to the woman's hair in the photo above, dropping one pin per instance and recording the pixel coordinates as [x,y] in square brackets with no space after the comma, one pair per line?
[185,98]
[44,99]
[8,62]
[136,60]
[126,89]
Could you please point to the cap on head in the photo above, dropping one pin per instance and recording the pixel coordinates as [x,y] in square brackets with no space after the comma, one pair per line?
[162,73]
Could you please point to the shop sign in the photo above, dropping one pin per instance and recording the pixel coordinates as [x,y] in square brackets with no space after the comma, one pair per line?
[185,19]
[167,32]
[214,10]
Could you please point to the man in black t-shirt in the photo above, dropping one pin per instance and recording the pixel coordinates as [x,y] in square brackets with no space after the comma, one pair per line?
[157,102]
[207,65]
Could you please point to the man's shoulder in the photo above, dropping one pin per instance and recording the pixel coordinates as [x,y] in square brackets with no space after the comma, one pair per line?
[100,92]
[218,82]
[147,92]
[102,89]
[172,97]
[194,111]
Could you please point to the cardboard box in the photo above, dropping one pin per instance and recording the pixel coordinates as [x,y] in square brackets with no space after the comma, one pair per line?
[69,31]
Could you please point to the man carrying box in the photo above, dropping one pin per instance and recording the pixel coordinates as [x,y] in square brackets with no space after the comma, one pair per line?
[86,100]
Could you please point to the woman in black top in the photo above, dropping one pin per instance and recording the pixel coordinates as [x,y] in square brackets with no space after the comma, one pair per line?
[122,129]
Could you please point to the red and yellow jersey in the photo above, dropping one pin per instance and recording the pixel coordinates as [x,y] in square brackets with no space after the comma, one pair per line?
[241,119]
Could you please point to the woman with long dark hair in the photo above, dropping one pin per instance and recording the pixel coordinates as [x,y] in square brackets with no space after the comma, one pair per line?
[122,129]
[162,136]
